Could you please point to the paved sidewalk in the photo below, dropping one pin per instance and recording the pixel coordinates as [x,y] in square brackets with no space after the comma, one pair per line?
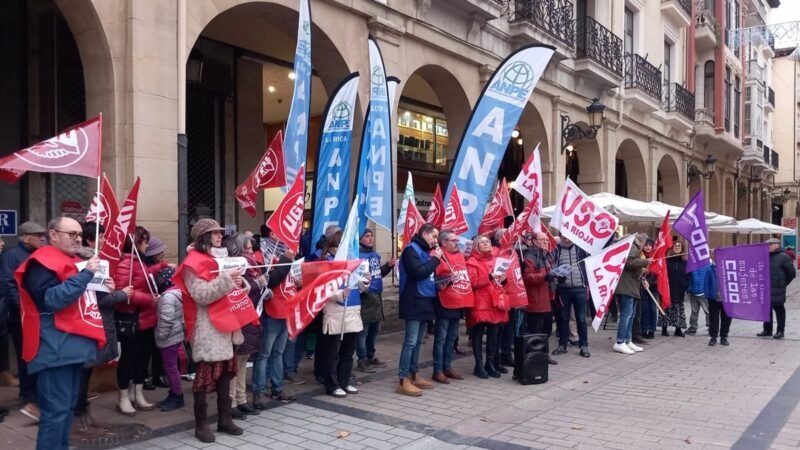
[678,393]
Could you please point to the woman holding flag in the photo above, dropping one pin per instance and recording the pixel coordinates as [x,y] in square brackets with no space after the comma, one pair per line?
[675,316]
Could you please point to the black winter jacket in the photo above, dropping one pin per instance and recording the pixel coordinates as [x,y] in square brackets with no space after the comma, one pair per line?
[678,278]
[781,272]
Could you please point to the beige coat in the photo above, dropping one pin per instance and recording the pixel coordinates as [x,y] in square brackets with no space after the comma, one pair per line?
[335,315]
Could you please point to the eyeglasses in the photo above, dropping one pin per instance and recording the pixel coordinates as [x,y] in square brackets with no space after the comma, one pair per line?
[72,234]
[453,240]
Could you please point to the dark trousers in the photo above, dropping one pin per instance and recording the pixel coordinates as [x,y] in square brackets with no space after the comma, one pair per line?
[58,392]
[83,393]
[134,358]
[572,298]
[335,357]
[718,314]
[780,314]
[478,332]
[510,330]
[539,323]
[637,320]
[27,382]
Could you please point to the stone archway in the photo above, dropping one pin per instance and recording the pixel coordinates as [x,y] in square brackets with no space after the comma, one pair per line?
[632,181]
[582,165]
[534,132]
[668,182]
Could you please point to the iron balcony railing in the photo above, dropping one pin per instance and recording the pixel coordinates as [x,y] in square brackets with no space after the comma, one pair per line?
[598,43]
[678,99]
[554,17]
[771,97]
[705,18]
[774,160]
[767,154]
[640,74]
[686,5]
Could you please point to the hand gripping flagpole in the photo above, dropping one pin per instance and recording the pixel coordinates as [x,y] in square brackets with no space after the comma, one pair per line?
[135,251]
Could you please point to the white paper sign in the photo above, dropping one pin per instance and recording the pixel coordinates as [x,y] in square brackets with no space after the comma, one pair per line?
[231,262]
[100,277]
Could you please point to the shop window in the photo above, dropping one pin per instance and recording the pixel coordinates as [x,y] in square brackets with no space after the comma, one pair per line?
[423,140]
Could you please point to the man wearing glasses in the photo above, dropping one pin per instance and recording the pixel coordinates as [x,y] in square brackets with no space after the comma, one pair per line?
[61,320]
[31,238]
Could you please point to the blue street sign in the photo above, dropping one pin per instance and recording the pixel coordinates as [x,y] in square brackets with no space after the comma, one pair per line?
[8,222]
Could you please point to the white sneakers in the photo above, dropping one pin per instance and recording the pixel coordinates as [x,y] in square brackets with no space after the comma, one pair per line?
[634,347]
[350,389]
[622,348]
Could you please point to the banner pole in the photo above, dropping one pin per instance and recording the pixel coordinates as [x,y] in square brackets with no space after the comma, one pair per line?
[97,223]
[656,302]
[135,251]
[99,173]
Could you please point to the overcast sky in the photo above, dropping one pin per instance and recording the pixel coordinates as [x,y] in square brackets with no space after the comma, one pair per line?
[789,11]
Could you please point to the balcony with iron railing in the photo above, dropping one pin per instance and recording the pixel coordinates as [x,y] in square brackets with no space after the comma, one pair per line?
[544,22]
[706,27]
[598,52]
[678,11]
[678,103]
[642,83]
[774,161]
[769,106]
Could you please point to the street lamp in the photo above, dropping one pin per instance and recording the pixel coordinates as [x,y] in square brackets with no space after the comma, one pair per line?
[782,197]
[572,131]
[692,171]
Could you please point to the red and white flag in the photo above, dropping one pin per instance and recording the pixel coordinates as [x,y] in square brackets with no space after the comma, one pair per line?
[121,227]
[453,214]
[287,220]
[519,227]
[321,279]
[436,211]
[498,210]
[413,223]
[529,185]
[603,272]
[582,221]
[269,173]
[76,151]
[659,264]
[104,209]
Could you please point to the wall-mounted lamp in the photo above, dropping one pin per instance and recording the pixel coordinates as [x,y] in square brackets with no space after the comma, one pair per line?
[692,171]
[572,131]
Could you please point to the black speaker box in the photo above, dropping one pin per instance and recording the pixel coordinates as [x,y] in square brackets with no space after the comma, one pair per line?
[531,359]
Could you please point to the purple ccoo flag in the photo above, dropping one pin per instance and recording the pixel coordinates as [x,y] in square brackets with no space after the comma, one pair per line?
[691,224]
[744,281]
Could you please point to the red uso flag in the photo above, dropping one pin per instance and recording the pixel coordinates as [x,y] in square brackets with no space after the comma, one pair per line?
[123,225]
[321,279]
[453,215]
[287,220]
[603,272]
[582,221]
[498,209]
[104,209]
[413,223]
[517,228]
[435,213]
[269,173]
[76,151]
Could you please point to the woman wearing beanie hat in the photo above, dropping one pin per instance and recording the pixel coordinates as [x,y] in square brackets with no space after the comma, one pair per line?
[212,349]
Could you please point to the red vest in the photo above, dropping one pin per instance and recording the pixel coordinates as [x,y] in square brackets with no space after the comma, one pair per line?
[458,293]
[228,313]
[286,291]
[515,286]
[81,318]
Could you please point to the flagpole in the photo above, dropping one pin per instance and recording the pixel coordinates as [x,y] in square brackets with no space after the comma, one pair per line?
[97,195]
[656,302]
[141,264]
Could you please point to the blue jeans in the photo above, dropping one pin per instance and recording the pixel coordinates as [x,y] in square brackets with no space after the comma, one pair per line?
[409,355]
[269,364]
[572,298]
[57,390]
[649,312]
[625,325]
[365,346]
[444,342]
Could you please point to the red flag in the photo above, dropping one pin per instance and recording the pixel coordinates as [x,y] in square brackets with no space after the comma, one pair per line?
[551,245]
[498,209]
[413,223]
[453,215]
[659,264]
[76,151]
[269,173]
[104,209]
[321,279]
[435,215]
[517,228]
[287,220]
[124,225]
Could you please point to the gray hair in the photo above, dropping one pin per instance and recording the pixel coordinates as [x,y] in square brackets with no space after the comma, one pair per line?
[444,235]
[236,244]
[53,224]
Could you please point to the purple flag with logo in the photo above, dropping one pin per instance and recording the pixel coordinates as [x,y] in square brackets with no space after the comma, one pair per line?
[744,282]
[691,224]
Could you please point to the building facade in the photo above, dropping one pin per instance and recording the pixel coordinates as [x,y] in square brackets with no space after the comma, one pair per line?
[191,91]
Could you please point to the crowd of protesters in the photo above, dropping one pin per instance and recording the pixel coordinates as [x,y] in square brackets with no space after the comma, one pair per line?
[154,340]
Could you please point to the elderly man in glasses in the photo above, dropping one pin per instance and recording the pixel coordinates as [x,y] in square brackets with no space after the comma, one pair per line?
[31,238]
[62,324]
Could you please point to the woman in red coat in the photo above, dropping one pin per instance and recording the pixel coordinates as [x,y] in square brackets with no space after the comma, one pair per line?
[136,321]
[490,305]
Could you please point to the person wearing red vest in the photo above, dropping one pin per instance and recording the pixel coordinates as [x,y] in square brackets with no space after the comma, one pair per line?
[204,290]
[490,308]
[139,313]
[455,294]
[62,326]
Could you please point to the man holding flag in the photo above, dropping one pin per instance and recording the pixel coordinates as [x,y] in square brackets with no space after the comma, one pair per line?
[629,293]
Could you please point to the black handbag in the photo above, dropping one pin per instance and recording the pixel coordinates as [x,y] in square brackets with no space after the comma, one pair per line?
[127,324]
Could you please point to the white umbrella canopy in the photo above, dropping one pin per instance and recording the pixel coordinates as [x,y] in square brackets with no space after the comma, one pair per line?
[712,218]
[752,226]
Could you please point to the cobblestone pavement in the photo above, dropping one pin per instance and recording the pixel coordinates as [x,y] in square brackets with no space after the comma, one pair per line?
[678,393]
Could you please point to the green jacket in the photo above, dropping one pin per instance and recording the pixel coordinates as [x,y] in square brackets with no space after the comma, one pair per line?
[630,282]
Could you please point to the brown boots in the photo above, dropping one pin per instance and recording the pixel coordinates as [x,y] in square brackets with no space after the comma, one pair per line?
[225,419]
[406,387]
[421,382]
[202,431]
